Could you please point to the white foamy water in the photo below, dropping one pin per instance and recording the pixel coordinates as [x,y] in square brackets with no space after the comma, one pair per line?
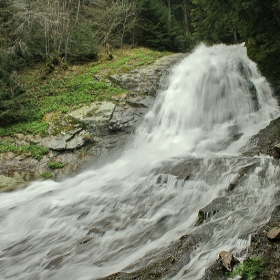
[104,219]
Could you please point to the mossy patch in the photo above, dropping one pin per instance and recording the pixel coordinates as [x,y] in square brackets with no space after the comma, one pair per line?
[199,219]
[249,269]
[34,151]
[47,175]
[61,124]
[56,164]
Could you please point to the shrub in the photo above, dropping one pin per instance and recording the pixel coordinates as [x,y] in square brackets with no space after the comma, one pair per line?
[56,164]
[47,175]
[249,269]
[27,150]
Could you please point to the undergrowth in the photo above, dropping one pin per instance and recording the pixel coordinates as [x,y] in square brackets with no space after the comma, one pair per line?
[249,269]
[47,175]
[56,164]
[35,127]
[35,151]
[79,85]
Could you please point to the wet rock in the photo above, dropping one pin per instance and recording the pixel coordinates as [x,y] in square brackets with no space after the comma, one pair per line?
[187,177]
[146,80]
[70,131]
[83,215]
[55,263]
[212,208]
[274,234]
[140,101]
[162,179]
[95,117]
[8,183]
[277,148]
[265,141]
[56,143]
[159,263]
[227,259]
[254,96]
[232,186]
[84,240]
[96,231]
[124,119]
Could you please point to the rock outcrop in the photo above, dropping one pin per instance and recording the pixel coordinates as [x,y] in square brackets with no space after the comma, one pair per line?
[274,234]
[265,142]
[90,133]
[227,260]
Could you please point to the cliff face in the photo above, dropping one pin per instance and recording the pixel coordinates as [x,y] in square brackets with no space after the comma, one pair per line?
[89,134]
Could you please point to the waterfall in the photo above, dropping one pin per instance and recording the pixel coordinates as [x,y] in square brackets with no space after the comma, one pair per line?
[105,219]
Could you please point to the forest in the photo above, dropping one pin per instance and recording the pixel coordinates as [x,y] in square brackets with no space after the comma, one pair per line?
[57,33]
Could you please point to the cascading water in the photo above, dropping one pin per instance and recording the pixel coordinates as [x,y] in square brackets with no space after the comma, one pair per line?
[103,220]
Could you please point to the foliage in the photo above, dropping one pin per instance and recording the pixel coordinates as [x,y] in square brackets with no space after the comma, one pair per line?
[61,31]
[216,21]
[27,150]
[160,29]
[255,22]
[11,93]
[200,219]
[34,128]
[56,164]
[66,90]
[249,269]
[47,175]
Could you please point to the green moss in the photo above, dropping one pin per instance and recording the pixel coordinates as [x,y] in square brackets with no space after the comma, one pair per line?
[61,123]
[47,175]
[113,80]
[35,151]
[34,128]
[92,112]
[200,219]
[88,138]
[83,153]
[63,91]
[249,269]
[56,164]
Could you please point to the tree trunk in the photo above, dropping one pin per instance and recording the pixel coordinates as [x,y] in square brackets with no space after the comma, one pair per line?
[186,16]
[235,36]
[169,13]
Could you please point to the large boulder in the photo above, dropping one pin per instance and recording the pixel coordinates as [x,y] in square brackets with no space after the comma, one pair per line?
[265,142]
[146,80]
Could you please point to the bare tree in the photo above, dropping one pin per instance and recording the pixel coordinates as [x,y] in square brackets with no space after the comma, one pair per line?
[118,18]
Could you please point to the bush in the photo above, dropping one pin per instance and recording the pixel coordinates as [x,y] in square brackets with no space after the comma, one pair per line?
[56,164]
[249,269]
[27,150]
[47,175]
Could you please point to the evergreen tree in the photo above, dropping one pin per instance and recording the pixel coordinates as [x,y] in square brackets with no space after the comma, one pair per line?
[159,28]
[255,22]
[11,94]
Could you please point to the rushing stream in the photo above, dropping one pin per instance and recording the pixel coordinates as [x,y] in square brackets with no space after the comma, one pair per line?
[105,219]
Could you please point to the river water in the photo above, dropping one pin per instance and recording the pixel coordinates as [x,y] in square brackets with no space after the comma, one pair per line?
[106,218]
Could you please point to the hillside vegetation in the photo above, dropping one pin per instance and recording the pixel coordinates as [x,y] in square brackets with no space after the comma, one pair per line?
[49,50]
[64,90]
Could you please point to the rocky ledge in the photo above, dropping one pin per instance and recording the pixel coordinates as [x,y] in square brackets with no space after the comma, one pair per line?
[265,142]
[90,133]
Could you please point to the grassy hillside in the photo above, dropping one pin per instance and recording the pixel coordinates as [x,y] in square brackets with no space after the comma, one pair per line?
[69,87]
